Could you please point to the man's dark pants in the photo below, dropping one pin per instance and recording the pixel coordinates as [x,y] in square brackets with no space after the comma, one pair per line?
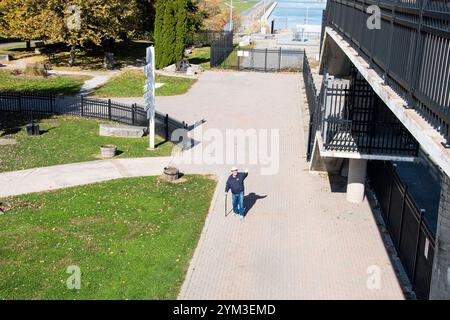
[238,203]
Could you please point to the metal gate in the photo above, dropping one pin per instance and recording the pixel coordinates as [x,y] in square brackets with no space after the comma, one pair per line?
[226,56]
[406,223]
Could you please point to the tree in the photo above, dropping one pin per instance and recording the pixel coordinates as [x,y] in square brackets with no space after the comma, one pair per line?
[158,32]
[24,19]
[216,16]
[100,22]
[147,11]
[168,34]
[76,23]
[195,15]
[171,26]
[181,28]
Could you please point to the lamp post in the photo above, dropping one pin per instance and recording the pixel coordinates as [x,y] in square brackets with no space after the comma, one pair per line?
[307,15]
[231,14]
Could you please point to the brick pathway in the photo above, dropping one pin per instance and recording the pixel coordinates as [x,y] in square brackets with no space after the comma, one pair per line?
[302,241]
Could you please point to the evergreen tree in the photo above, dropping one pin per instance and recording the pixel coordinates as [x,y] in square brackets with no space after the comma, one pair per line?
[158,35]
[181,28]
[169,34]
[171,28]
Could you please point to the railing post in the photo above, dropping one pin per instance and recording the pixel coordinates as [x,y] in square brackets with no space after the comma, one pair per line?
[166,126]
[133,107]
[390,191]
[279,59]
[311,137]
[82,106]
[51,104]
[391,36]
[323,109]
[363,12]
[415,57]
[372,44]
[109,110]
[422,213]
[373,125]
[265,61]
[404,191]
[20,102]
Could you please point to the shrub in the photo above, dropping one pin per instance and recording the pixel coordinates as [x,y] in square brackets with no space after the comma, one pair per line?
[36,69]
[16,72]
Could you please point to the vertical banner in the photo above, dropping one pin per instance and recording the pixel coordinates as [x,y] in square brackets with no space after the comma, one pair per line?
[149,95]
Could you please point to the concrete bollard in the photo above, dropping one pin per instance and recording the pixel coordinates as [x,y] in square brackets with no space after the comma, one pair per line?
[356,180]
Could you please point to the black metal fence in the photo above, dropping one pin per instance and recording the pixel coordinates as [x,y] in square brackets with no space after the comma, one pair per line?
[202,38]
[221,48]
[357,120]
[87,107]
[413,239]
[267,60]
[313,104]
[411,50]
[350,117]
[226,56]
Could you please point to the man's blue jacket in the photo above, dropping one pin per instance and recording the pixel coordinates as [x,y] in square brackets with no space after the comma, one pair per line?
[236,184]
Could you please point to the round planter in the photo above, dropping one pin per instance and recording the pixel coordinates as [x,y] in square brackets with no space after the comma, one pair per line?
[171,173]
[108,150]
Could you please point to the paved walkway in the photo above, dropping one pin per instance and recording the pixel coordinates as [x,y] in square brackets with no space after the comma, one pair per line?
[98,78]
[63,176]
[300,239]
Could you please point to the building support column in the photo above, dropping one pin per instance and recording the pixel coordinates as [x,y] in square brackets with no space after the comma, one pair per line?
[440,277]
[356,180]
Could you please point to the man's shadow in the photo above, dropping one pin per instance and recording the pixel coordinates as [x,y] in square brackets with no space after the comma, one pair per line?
[250,200]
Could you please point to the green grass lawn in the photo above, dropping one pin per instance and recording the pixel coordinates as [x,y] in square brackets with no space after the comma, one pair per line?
[64,140]
[67,85]
[201,56]
[241,5]
[131,238]
[131,84]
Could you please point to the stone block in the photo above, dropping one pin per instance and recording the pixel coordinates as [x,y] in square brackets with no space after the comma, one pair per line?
[171,68]
[122,131]
[5,57]
[194,69]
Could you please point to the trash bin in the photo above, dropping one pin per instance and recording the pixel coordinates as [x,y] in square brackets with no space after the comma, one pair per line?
[32,129]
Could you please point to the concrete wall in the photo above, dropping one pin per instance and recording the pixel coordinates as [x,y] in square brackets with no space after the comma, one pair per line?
[440,278]
[333,60]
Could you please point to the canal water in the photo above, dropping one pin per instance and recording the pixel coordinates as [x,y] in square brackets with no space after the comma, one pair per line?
[288,14]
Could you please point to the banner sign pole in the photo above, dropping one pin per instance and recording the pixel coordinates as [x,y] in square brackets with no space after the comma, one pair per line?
[149,95]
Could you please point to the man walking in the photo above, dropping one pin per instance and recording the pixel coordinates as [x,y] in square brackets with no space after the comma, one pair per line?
[235,182]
